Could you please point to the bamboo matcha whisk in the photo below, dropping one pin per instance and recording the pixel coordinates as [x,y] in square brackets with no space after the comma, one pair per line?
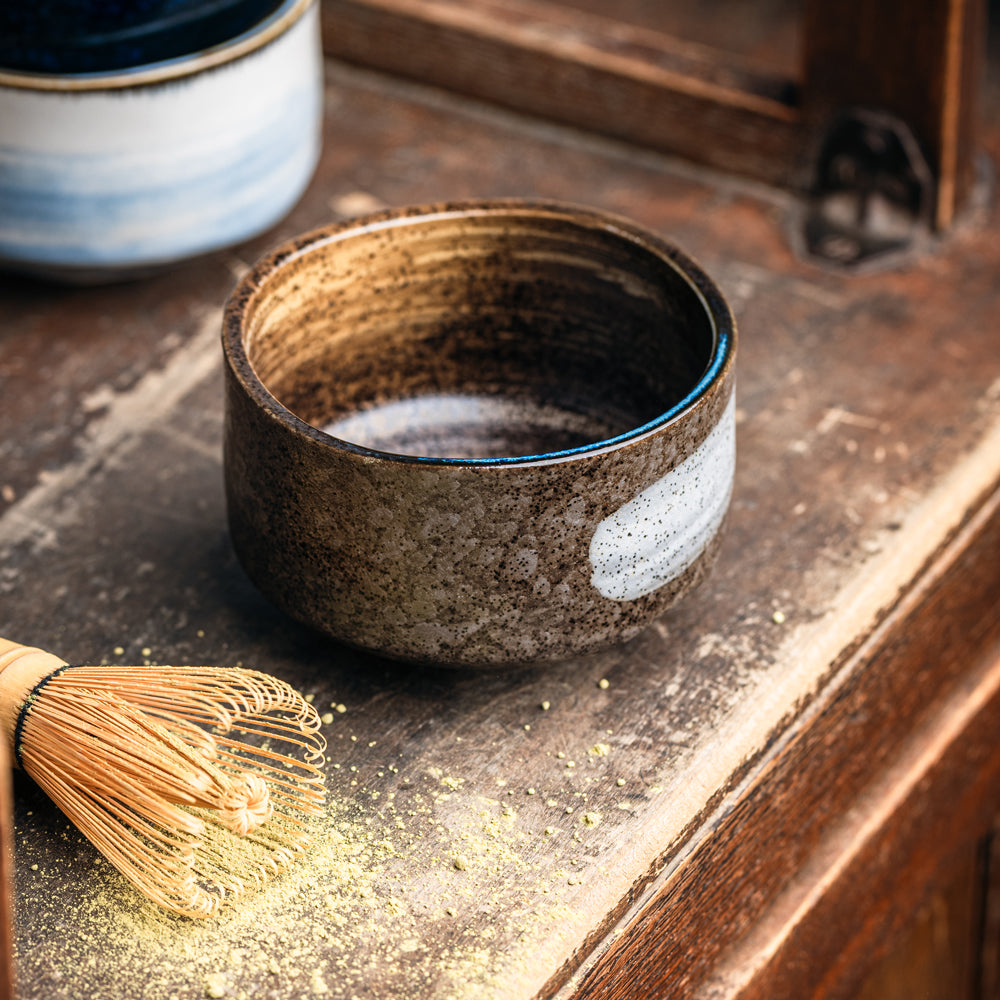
[196,783]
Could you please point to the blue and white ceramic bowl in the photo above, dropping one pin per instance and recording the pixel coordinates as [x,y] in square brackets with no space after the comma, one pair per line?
[121,168]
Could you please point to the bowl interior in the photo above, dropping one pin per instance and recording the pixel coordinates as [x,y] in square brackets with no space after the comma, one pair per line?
[95,36]
[487,335]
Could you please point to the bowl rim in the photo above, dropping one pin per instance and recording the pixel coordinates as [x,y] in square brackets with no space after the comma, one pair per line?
[716,308]
[280,20]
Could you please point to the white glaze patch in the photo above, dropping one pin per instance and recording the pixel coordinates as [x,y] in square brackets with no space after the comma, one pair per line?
[653,538]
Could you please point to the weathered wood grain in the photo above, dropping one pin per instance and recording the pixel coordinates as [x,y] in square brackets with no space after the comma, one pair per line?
[450,865]
[633,74]
[767,33]
[807,823]
[907,847]
[584,69]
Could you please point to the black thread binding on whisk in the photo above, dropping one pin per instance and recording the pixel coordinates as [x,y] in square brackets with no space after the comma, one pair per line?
[25,711]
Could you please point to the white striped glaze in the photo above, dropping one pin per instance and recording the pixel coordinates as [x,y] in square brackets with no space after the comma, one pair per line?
[656,536]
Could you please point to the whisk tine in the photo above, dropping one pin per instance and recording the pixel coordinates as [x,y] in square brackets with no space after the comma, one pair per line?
[196,783]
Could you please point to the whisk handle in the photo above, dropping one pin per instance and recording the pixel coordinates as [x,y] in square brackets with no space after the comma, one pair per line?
[21,668]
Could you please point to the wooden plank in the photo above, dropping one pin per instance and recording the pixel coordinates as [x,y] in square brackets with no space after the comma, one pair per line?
[811,777]
[644,85]
[583,69]
[765,33]
[908,846]
[937,954]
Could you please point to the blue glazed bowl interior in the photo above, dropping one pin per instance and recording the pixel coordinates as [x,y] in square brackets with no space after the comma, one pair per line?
[102,36]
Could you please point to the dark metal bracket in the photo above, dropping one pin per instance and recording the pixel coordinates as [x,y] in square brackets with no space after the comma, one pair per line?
[872,193]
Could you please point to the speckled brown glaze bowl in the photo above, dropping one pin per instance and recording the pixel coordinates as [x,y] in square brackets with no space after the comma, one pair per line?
[485,433]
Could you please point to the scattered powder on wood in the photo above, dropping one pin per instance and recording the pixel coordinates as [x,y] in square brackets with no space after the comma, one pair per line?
[216,984]
[400,893]
[374,901]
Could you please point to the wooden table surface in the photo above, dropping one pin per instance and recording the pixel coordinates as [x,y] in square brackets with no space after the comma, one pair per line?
[648,817]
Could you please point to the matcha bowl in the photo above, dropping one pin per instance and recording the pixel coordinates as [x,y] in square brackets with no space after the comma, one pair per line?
[478,434]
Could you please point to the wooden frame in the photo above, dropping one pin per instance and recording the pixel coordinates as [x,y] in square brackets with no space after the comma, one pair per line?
[650,88]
